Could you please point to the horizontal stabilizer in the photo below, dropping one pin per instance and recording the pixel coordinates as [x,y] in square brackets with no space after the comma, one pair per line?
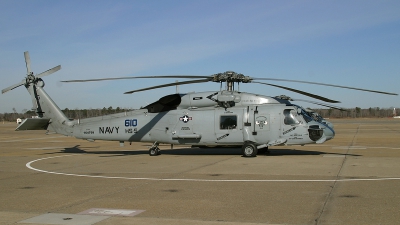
[34,124]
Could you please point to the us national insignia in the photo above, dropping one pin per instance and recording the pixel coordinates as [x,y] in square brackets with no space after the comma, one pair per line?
[185,118]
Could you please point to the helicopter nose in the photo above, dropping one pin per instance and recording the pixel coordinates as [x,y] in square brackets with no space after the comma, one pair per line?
[329,124]
[329,133]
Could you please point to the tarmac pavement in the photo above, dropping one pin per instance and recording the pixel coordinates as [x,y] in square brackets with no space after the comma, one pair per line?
[52,179]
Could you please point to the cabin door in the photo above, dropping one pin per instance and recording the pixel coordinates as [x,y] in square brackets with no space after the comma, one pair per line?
[229,126]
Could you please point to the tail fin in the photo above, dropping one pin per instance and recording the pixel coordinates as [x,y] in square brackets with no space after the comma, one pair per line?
[43,105]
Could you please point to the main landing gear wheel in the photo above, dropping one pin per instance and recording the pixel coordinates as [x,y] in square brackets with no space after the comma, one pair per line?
[249,149]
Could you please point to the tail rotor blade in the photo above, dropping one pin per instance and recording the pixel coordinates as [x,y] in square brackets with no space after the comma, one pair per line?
[28,62]
[48,72]
[30,78]
[12,87]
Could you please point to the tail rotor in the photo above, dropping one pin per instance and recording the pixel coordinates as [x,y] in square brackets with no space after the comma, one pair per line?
[30,78]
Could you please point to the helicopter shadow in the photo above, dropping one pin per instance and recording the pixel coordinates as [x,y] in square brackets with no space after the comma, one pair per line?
[77,149]
[287,152]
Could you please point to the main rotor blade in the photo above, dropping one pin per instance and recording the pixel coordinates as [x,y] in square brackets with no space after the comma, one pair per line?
[331,85]
[12,87]
[28,62]
[125,78]
[168,85]
[322,104]
[301,92]
[48,72]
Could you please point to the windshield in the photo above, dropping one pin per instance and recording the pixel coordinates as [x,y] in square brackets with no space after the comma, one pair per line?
[317,117]
[309,115]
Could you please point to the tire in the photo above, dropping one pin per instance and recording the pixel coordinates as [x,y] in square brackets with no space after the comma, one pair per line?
[249,149]
[153,151]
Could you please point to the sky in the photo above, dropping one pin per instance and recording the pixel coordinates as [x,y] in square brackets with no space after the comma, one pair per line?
[340,42]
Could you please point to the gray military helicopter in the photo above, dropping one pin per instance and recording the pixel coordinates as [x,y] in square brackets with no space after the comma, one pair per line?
[215,118]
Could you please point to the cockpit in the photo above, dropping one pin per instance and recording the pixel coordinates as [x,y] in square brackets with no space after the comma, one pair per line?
[309,115]
[318,126]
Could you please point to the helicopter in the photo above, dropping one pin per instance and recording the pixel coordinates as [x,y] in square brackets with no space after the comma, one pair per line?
[213,118]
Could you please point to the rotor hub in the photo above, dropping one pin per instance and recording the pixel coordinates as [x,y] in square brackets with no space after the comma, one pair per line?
[284,97]
[30,78]
[230,76]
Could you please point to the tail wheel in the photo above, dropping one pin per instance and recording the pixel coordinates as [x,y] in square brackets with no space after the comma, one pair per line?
[249,149]
[154,151]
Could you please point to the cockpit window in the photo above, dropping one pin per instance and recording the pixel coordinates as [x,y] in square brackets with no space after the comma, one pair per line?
[290,117]
[316,117]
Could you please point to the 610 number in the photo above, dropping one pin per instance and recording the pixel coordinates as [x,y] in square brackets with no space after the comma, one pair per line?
[131,123]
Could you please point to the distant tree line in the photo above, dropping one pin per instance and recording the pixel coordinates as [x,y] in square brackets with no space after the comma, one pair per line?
[356,112]
[85,113]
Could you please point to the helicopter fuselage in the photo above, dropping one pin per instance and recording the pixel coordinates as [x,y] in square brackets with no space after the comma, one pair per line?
[267,124]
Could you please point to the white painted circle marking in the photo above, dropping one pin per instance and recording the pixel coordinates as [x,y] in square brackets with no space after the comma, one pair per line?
[29,166]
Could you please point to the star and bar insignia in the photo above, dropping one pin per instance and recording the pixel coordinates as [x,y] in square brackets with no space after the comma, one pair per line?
[185,118]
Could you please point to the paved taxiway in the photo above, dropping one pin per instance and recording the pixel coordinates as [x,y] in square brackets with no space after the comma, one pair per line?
[352,179]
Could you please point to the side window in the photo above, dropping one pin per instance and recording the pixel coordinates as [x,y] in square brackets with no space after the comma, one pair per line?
[228,122]
[290,118]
